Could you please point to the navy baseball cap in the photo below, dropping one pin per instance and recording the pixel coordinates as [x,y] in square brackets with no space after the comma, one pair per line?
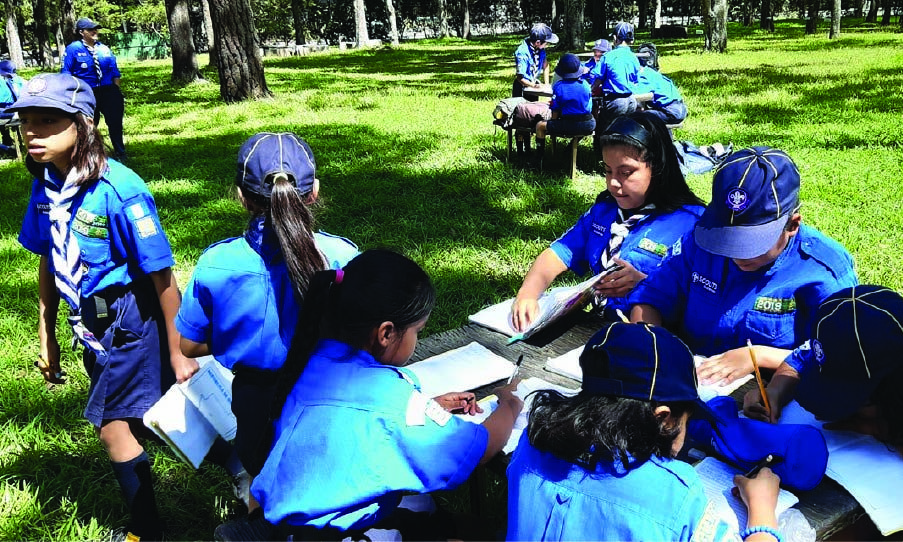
[56,91]
[602,45]
[568,66]
[623,31]
[754,192]
[542,32]
[266,154]
[7,67]
[86,24]
[856,340]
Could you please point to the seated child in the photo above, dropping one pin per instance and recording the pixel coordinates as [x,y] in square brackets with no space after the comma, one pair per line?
[592,67]
[667,103]
[572,106]
[850,370]
[599,465]
[355,433]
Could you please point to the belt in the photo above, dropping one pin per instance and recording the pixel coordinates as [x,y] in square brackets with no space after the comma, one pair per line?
[578,118]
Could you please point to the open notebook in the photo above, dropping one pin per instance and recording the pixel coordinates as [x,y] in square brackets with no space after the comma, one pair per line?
[462,369]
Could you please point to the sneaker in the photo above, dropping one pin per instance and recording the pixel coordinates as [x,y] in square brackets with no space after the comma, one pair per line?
[123,535]
[253,527]
[241,487]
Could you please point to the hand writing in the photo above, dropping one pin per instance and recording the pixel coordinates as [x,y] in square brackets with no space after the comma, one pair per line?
[459,402]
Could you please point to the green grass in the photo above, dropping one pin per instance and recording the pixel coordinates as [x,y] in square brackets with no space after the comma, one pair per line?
[408,158]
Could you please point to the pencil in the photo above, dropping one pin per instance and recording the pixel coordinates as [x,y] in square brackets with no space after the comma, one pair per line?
[752,356]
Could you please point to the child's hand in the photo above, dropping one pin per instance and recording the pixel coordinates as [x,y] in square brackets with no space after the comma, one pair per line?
[51,370]
[621,282]
[754,408]
[506,395]
[760,493]
[726,367]
[183,367]
[523,312]
[459,402]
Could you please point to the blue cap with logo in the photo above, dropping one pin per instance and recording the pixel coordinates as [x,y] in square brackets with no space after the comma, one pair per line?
[602,45]
[754,192]
[7,67]
[56,91]
[264,155]
[86,24]
[623,31]
[569,67]
[856,340]
[542,32]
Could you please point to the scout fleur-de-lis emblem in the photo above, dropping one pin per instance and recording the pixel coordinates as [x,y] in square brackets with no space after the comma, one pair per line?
[818,351]
[737,200]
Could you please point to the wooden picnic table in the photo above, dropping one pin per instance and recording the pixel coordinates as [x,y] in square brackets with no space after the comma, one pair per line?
[829,508]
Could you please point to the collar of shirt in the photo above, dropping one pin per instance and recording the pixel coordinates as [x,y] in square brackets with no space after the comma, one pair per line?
[263,240]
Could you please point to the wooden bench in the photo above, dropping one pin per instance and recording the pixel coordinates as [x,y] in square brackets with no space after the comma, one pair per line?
[572,145]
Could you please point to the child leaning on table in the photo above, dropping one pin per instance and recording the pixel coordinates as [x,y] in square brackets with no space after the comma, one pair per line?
[354,434]
[600,465]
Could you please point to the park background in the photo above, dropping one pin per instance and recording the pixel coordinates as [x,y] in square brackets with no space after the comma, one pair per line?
[408,158]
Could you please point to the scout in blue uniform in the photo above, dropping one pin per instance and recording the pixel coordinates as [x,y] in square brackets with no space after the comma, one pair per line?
[93,62]
[530,63]
[850,370]
[572,106]
[95,226]
[10,88]
[355,433]
[618,77]
[750,271]
[646,208]
[592,67]
[241,304]
[599,465]
[667,103]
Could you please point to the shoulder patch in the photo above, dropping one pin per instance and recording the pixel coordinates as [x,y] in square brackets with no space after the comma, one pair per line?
[710,527]
[146,227]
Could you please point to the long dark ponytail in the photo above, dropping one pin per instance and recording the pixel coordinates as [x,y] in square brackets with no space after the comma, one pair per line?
[293,223]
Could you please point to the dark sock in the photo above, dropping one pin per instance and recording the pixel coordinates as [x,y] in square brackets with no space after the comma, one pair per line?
[135,480]
[223,454]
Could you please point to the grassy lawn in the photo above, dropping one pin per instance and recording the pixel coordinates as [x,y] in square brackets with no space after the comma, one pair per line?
[408,158]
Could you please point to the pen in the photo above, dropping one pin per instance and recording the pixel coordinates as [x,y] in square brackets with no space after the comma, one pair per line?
[752,356]
[767,462]
[516,368]
[623,318]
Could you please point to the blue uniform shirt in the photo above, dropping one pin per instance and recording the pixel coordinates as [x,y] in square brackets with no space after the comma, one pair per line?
[79,63]
[241,302]
[663,90]
[352,439]
[523,60]
[581,246]
[594,71]
[553,499]
[620,71]
[571,97]
[10,89]
[714,306]
[115,223]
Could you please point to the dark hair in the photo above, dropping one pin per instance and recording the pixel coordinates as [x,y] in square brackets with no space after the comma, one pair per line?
[88,161]
[589,429]
[668,189]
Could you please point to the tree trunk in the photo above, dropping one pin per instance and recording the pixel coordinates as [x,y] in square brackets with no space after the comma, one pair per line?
[240,67]
[360,24]
[715,20]
[835,20]
[812,17]
[208,29]
[67,22]
[393,21]
[657,14]
[555,15]
[887,6]
[572,26]
[600,24]
[60,40]
[184,60]
[643,6]
[465,33]
[13,43]
[443,19]
[41,36]
[872,16]
[766,21]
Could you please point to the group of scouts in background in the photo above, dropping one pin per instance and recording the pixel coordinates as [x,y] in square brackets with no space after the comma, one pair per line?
[334,434]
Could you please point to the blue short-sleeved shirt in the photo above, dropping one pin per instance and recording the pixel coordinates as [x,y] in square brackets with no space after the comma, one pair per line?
[349,444]
[620,71]
[593,71]
[10,89]
[581,246]
[115,223]
[714,306]
[79,62]
[553,499]
[663,90]
[571,97]
[523,60]
[241,302]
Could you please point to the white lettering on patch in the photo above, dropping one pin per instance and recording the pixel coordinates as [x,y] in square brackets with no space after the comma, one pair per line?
[706,283]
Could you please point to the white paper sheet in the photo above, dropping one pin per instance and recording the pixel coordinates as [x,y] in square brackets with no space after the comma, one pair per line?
[210,390]
[710,391]
[461,369]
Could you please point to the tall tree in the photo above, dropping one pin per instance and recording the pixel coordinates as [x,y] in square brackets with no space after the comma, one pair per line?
[887,6]
[443,18]
[13,43]
[766,19]
[41,35]
[812,17]
[835,20]
[393,22]
[572,26]
[361,36]
[181,42]
[208,30]
[600,21]
[872,16]
[643,6]
[714,14]
[67,22]
[240,66]
[656,13]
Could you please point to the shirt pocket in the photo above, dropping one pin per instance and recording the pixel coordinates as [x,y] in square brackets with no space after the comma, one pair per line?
[92,232]
[555,525]
[771,329]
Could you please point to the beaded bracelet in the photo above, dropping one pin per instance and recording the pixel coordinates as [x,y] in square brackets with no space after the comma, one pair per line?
[761,529]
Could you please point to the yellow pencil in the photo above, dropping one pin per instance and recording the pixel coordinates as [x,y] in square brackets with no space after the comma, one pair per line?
[752,355]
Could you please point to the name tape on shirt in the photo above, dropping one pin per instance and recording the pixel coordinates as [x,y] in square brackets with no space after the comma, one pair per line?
[775,305]
[421,407]
[90,224]
[649,245]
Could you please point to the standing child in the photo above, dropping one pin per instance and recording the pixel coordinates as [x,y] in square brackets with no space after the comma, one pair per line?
[599,465]
[242,302]
[530,63]
[95,226]
[355,432]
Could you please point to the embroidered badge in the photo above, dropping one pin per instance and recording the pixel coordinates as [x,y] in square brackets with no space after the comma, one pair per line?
[90,224]
[676,248]
[91,219]
[775,305]
[599,229]
[651,246]
[37,85]
[146,227]
[436,413]
[818,351]
[708,284]
[137,211]
[737,200]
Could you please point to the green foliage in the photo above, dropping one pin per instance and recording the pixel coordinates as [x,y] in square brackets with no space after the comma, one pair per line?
[408,158]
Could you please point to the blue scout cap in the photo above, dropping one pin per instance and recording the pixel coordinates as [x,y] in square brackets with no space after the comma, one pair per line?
[623,31]
[568,67]
[266,154]
[7,67]
[542,32]
[856,340]
[753,193]
[86,24]
[56,91]
[602,45]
